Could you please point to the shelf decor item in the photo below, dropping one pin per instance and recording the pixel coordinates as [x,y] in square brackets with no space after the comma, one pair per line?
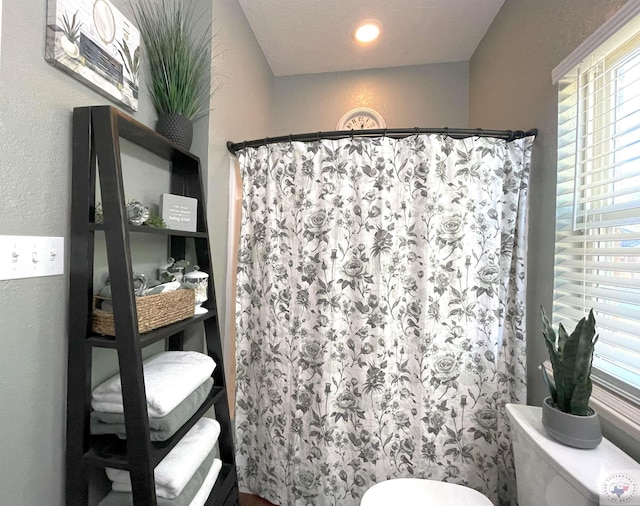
[179,213]
[154,220]
[137,213]
[176,127]
[179,65]
[165,274]
[95,43]
[154,311]
[139,284]
[172,270]
[200,282]
[566,414]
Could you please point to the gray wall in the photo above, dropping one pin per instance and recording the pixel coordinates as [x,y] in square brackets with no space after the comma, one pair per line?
[35,159]
[241,109]
[423,95]
[36,103]
[510,87]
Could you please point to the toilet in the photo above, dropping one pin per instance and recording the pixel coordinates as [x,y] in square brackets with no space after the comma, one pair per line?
[547,474]
[551,474]
[419,492]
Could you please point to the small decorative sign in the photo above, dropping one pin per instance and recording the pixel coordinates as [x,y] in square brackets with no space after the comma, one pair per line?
[94,42]
[179,213]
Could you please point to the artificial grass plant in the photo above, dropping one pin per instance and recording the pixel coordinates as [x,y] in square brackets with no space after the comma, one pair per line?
[178,60]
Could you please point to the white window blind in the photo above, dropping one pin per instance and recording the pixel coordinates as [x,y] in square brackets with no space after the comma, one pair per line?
[597,259]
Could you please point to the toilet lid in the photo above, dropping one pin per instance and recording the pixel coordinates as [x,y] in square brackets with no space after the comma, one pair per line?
[414,491]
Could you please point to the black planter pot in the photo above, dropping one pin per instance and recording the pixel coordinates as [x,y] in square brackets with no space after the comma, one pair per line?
[176,128]
[572,430]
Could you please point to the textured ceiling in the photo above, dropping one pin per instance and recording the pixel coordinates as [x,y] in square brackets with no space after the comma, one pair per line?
[311,36]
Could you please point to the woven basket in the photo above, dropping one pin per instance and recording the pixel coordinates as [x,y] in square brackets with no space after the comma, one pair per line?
[154,311]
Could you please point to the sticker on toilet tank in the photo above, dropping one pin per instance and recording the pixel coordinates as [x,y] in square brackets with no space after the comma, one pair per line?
[620,488]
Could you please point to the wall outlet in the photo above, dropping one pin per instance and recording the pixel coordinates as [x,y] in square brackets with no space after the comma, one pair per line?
[30,256]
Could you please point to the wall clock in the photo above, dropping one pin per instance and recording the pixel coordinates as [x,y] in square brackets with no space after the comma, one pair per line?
[361,118]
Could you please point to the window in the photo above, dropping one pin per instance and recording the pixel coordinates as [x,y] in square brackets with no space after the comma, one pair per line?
[597,259]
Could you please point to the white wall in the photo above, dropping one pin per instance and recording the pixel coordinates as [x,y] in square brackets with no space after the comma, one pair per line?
[423,95]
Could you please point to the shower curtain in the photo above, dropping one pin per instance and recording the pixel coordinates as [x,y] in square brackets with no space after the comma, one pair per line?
[380,315]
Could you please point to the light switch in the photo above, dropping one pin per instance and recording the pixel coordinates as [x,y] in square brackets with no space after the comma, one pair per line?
[30,256]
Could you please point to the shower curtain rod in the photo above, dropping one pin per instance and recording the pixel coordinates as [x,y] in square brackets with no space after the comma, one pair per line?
[396,133]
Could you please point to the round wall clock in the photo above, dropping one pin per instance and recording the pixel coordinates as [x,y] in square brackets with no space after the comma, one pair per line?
[361,118]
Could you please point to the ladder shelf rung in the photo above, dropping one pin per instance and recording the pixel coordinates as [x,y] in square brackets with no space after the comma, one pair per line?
[153,336]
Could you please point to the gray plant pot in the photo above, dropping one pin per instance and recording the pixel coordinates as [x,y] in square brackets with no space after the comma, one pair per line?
[176,128]
[572,430]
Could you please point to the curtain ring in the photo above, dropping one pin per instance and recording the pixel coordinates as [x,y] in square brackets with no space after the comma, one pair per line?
[384,134]
[265,141]
[290,140]
[244,145]
[319,136]
[352,135]
[446,131]
[417,131]
[480,132]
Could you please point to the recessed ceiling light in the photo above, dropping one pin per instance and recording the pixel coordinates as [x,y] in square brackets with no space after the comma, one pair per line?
[367,31]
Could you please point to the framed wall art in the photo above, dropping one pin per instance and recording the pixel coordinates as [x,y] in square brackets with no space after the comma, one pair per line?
[95,43]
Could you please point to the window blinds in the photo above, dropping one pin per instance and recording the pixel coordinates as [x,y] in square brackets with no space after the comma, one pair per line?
[597,260]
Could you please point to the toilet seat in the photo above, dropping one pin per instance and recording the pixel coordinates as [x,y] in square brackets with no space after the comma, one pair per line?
[415,491]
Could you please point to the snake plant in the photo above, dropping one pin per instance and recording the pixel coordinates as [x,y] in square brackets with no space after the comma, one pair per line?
[571,357]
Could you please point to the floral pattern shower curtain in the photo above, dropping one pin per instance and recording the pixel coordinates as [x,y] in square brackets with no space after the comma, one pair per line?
[380,315]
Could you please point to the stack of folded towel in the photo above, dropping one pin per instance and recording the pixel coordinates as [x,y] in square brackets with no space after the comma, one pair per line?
[176,384]
[185,477]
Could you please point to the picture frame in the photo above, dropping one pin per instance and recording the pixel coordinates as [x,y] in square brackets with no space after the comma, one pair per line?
[95,43]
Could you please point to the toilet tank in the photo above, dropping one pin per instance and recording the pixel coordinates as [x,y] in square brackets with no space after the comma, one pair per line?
[551,474]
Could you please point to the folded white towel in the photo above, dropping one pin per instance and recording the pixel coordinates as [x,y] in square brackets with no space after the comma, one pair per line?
[207,485]
[174,471]
[169,377]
